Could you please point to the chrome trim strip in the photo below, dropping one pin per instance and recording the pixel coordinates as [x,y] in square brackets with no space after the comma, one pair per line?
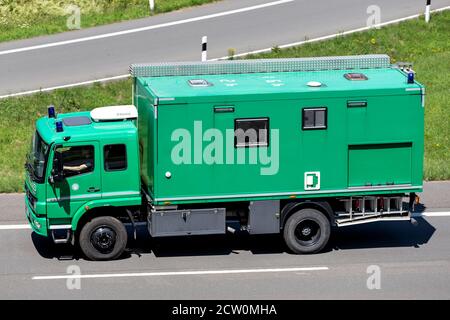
[120,193]
[381,187]
[291,193]
[60,226]
[90,196]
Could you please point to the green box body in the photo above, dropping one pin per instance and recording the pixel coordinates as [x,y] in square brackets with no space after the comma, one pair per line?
[372,144]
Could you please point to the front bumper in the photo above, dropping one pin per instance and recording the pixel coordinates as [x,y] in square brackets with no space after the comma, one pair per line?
[38,225]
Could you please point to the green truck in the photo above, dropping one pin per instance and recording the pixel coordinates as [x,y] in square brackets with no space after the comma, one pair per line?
[290,146]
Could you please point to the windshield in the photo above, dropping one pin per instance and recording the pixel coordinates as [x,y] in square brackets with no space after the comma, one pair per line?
[37,157]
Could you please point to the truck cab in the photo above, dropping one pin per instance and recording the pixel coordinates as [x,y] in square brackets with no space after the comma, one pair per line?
[80,162]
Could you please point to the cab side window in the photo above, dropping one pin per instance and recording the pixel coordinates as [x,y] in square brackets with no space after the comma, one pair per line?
[77,160]
[115,156]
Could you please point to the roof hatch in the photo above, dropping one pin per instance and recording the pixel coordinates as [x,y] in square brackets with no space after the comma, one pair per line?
[355,76]
[199,83]
[76,121]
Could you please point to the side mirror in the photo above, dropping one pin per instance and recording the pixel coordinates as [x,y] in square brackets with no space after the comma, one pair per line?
[57,173]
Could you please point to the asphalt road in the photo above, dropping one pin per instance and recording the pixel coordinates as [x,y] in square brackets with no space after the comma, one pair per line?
[414,263]
[176,36]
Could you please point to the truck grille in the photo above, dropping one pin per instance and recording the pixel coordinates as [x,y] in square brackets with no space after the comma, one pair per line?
[31,199]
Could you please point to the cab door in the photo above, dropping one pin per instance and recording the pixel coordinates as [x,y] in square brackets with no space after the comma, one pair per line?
[81,182]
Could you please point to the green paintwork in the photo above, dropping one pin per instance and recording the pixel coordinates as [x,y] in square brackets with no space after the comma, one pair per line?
[378,164]
[344,153]
[147,136]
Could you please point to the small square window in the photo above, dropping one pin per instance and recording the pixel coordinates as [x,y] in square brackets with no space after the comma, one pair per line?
[115,157]
[251,132]
[314,118]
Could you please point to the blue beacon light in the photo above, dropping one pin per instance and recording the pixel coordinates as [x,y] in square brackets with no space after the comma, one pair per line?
[410,77]
[51,112]
[59,126]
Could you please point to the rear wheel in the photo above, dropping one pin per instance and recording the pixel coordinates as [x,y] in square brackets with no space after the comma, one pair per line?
[307,231]
[103,238]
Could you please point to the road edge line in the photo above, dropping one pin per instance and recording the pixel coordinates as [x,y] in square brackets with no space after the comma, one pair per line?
[178,273]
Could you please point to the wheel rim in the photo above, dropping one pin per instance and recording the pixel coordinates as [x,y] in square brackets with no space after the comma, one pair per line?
[307,232]
[103,239]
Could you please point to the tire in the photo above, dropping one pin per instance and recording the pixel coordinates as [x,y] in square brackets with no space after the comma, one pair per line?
[307,231]
[103,238]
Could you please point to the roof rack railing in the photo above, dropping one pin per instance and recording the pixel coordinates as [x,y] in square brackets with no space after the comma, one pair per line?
[372,61]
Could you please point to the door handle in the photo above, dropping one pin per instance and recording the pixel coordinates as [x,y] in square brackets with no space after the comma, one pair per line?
[93,189]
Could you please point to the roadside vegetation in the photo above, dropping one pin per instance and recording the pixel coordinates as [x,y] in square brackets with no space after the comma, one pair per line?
[425,45]
[21,19]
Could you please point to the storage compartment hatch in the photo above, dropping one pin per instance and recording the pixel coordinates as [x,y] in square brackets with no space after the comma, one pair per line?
[374,165]
[186,222]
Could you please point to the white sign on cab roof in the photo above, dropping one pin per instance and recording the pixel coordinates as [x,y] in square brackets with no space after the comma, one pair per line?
[111,113]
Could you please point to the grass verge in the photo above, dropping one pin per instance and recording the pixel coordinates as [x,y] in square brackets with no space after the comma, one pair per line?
[20,19]
[426,45]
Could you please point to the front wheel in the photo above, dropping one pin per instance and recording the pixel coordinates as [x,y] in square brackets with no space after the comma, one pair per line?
[307,231]
[103,238]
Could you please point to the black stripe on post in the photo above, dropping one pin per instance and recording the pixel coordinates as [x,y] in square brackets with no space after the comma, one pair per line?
[204,48]
[428,2]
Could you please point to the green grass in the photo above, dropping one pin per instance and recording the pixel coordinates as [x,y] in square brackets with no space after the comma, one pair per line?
[426,45]
[20,19]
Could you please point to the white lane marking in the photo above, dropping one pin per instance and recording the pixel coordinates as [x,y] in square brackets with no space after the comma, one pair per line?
[15,226]
[178,273]
[293,44]
[217,59]
[414,215]
[65,86]
[153,27]
[432,214]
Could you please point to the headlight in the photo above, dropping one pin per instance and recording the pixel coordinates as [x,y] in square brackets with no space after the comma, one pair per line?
[36,223]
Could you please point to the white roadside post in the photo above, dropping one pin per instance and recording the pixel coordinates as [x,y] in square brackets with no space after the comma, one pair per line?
[204,48]
[427,11]
[152,5]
